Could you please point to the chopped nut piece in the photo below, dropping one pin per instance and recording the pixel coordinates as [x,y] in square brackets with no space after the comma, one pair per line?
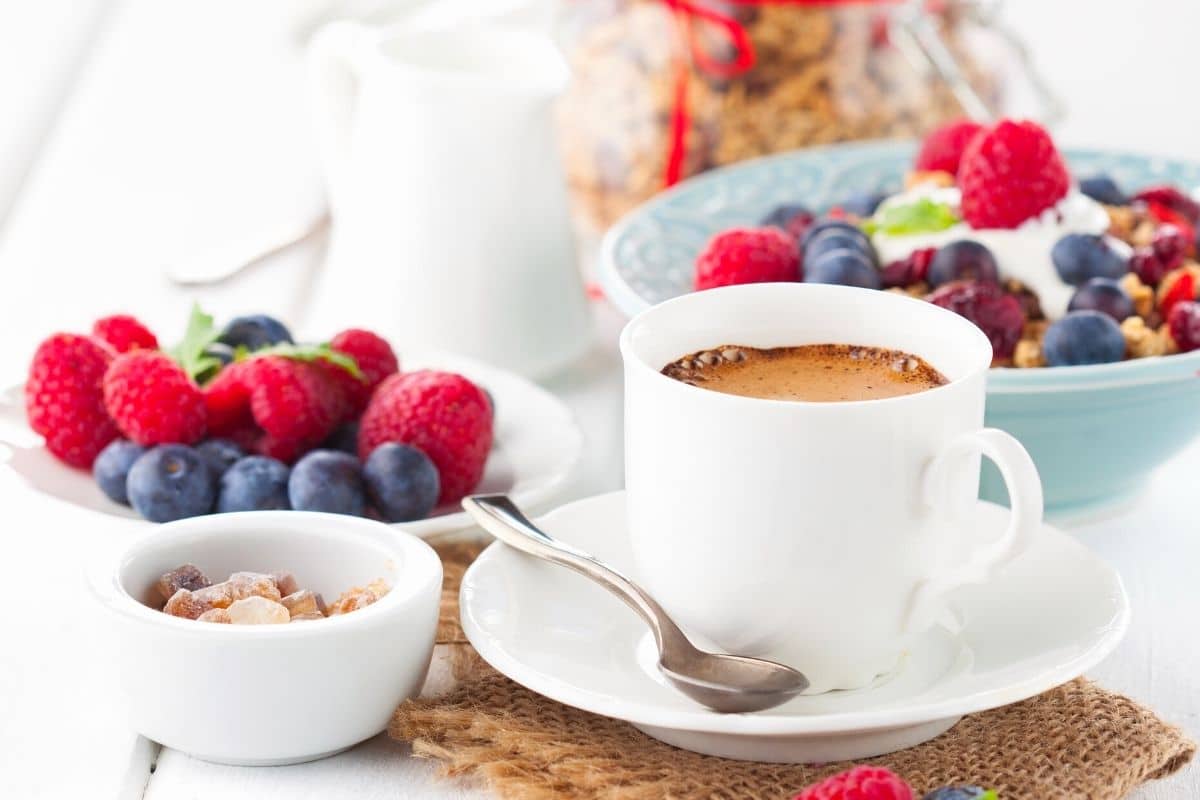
[1164,332]
[188,605]
[933,177]
[358,597]
[186,576]
[1141,294]
[257,610]
[220,615]
[1029,354]
[1121,221]
[1035,329]
[1142,341]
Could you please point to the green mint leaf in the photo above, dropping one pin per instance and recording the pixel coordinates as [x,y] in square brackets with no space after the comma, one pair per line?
[990,794]
[311,352]
[189,353]
[923,216]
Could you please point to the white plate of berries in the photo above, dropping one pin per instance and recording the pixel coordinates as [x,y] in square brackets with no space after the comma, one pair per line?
[240,417]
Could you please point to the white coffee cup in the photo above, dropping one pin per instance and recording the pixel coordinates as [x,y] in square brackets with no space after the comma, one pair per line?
[823,535]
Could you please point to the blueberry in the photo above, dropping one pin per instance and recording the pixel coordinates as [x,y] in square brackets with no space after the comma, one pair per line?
[835,225]
[254,332]
[255,483]
[111,468]
[862,204]
[1083,337]
[783,216]
[845,267]
[837,239]
[327,480]
[1079,257]
[963,260]
[170,482]
[344,438]
[221,352]
[1104,295]
[960,793]
[1103,189]
[220,454]
[402,482]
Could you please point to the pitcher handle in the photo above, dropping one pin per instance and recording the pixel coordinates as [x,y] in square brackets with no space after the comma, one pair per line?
[985,558]
[334,63]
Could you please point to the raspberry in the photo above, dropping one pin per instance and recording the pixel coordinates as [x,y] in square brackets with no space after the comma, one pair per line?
[1168,197]
[274,406]
[859,783]
[1146,264]
[124,333]
[152,399]
[375,360]
[441,413]
[1010,173]
[943,148]
[1167,215]
[1177,287]
[911,269]
[1184,323]
[63,399]
[748,255]
[1170,244]
[993,311]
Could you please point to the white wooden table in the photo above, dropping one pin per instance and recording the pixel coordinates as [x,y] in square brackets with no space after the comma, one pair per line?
[135,132]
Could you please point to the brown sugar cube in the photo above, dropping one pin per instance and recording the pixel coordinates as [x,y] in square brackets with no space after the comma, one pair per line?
[187,576]
[186,604]
[308,616]
[219,595]
[358,597]
[219,615]
[257,610]
[285,582]
[239,586]
[248,584]
[301,602]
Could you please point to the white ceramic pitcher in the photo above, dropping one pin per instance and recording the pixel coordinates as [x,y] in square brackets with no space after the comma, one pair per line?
[451,225]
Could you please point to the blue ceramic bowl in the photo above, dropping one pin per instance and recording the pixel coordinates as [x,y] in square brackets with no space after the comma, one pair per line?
[1096,432]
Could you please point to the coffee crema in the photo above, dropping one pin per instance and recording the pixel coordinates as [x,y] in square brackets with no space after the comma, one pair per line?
[822,373]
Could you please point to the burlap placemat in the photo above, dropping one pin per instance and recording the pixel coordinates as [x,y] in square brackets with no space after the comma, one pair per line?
[1077,741]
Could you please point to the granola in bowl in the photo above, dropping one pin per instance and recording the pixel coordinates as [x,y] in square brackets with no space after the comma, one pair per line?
[1056,270]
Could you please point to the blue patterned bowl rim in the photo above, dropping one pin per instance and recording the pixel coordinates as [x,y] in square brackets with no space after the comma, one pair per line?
[1131,170]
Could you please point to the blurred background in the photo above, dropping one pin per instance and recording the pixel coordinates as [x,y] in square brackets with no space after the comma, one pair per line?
[136,134]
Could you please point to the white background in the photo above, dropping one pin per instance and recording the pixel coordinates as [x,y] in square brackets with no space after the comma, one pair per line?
[132,133]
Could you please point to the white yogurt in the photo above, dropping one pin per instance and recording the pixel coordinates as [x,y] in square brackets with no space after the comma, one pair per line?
[1022,252]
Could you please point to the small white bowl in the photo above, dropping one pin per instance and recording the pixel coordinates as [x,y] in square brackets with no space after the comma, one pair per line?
[271,694]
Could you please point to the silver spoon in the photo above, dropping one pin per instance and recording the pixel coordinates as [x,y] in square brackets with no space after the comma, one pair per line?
[725,683]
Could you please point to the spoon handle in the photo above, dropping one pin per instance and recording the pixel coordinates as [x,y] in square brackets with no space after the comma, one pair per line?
[499,516]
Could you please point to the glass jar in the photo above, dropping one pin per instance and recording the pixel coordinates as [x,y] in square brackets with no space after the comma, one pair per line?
[665,89]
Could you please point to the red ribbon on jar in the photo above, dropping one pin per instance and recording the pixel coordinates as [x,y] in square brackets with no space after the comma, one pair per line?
[688,12]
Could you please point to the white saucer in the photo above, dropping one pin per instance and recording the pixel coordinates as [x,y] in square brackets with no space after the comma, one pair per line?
[1051,615]
[537,446]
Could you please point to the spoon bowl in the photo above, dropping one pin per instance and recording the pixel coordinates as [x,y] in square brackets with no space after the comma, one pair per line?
[729,684]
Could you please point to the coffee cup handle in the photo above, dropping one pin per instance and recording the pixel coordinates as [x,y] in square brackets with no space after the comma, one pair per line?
[1025,520]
